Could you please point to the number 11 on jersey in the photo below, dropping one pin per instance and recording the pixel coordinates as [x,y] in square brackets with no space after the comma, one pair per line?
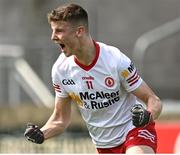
[89,84]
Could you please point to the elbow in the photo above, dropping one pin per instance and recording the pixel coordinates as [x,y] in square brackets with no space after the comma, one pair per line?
[65,125]
[159,104]
[156,107]
[61,126]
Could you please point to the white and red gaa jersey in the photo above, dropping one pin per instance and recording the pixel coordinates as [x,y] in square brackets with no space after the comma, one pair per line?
[101,91]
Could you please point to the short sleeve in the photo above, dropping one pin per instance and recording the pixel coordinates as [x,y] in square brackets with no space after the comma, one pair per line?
[58,87]
[129,75]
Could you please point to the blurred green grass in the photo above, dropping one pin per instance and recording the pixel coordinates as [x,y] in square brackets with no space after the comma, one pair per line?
[62,144]
[15,118]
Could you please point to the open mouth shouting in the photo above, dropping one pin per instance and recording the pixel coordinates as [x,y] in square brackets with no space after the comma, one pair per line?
[62,46]
[64,49]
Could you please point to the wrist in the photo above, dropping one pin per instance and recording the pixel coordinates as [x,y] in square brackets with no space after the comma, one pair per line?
[151,119]
[152,115]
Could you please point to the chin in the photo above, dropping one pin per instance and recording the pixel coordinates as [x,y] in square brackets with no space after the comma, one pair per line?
[67,54]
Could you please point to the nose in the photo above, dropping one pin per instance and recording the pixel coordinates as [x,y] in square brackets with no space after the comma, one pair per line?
[53,36]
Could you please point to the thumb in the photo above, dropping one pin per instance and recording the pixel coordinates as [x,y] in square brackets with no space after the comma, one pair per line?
[31,125]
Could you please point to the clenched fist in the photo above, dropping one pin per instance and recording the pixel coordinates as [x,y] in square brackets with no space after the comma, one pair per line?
[140,116]
[34,134]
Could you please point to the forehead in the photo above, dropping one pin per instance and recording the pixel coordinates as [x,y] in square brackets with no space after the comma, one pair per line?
[60,24]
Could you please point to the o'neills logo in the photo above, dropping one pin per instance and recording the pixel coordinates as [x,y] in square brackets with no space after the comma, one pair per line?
[87,78]
[109,81]
[99,100]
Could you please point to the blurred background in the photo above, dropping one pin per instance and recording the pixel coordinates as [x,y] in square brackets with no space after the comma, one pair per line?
[146,31]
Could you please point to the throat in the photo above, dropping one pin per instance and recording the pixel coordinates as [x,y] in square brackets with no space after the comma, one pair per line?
[85,60]
[88,57]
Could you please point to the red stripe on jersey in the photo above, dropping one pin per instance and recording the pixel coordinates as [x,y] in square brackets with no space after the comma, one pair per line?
[134,81]
[132,76]
[58,90]
[87,68]
[57,87]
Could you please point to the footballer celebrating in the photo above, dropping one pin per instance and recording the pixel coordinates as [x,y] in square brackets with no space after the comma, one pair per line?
[105,85]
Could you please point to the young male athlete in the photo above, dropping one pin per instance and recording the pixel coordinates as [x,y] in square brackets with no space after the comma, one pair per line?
[104,83]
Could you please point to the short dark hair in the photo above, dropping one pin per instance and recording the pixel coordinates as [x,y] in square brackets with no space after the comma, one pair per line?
[71,13]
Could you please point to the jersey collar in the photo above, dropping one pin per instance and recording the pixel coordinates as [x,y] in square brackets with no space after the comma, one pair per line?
[88,67]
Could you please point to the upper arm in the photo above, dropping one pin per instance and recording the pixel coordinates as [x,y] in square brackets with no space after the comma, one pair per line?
[62,110]
[133,83]
[59,119]
[129,76]
[143,92]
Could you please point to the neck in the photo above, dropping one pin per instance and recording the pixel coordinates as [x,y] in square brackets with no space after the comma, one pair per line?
[87,53]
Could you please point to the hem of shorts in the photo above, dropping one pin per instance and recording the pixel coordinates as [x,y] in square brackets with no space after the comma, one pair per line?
[140,145]
[109,146]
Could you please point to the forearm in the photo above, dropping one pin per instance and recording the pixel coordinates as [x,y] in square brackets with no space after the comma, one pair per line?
[52,129]
[151,100]
[154,105]
[56,124]
[60,118]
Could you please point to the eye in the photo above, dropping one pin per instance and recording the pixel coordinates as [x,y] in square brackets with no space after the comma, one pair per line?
[59,30]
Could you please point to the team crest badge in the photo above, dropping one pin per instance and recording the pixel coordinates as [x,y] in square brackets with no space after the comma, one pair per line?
[109,81]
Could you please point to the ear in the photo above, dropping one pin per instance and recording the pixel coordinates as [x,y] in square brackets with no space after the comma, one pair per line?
[80,31]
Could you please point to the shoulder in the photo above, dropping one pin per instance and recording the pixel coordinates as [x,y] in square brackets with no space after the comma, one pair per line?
[107,47]
[58,62]
[113,53]
[61,64]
